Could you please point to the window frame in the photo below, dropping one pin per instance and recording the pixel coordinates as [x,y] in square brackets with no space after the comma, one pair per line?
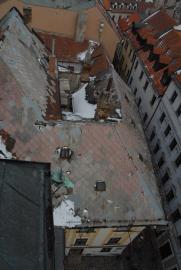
[153,100]
[178,159]
[141,75]
[162,117]
[169,256]
[173,97]
[146,85]
[178,111]
[81,239]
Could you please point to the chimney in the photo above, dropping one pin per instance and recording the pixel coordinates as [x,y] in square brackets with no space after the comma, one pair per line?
[81,26]
[106,4]
[53,46]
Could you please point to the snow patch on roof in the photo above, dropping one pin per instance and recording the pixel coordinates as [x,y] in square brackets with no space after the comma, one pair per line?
[64,215]
[81,107]
[4,154]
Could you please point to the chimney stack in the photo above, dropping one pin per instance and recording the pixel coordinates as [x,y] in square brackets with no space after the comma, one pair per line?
[106,4]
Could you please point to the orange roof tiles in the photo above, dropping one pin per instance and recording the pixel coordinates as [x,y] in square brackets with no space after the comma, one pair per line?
[66,49]
[165,59]
[125,24]
[161,22]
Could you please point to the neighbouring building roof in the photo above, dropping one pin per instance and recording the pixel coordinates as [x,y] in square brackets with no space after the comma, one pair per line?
[167,49]
[26,224]
[25,63]
[127,6]
[114,153]
[125,24]
[66,49]
[67,4]
[148,37]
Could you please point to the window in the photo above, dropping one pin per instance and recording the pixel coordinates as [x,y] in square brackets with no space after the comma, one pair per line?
[178,160]
[136,65]
[165,250]
[156,149]
[125,68]
[130,82]
[106,250]
[173,97]
[135,91]
[145,117]
[141,75]
[126,45]
[146,85]
[161,162]
[126,97]
[152,136]
[170,196]
[173,144]
[162,117]
[178,111]
[158,232]
[167,130]
[122,60]
[130,52]
[113,241]
[27,14]
[133,57]
[139,102]
[80,242]
[153,100]
[86,230]
[176,215]
[165,178]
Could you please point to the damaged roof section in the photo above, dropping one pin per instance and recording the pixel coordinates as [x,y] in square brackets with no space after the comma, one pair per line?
[25,61]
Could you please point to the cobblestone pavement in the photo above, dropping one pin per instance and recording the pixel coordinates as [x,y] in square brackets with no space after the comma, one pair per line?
[141,255]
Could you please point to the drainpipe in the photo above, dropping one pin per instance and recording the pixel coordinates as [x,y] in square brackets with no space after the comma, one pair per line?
[53,47]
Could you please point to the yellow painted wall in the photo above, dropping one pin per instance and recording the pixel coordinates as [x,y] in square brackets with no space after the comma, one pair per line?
[62,21]
[99,238]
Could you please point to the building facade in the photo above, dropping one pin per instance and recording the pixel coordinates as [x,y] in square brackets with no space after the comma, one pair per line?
[155,82]
[165,146]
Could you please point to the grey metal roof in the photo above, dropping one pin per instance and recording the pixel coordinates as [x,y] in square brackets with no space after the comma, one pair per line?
[26,225]
[67,4]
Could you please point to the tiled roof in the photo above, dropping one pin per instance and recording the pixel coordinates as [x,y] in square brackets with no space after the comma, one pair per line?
[66,49]
[117,154]
[166,43]
[125,24]
[101,151]
[160,21]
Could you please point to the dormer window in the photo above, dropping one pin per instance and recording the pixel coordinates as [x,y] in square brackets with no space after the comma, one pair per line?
[157,66]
